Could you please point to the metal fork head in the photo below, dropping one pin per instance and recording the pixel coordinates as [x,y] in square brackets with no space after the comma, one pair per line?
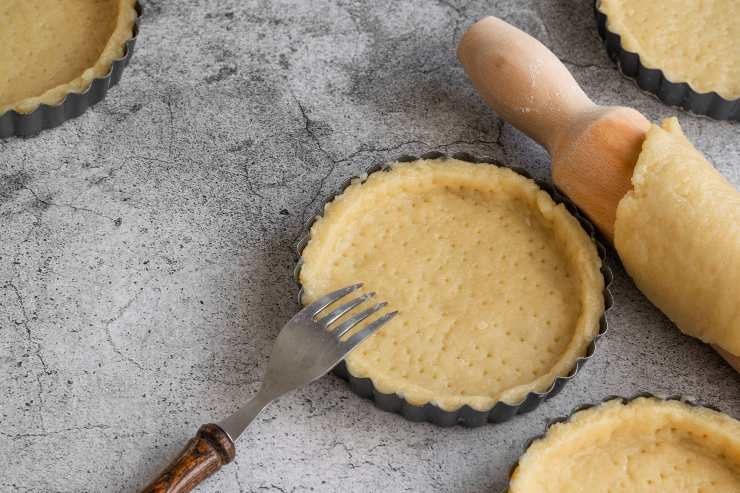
[312,342]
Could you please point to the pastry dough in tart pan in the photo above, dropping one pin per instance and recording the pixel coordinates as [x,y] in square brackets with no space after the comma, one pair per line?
[499,288]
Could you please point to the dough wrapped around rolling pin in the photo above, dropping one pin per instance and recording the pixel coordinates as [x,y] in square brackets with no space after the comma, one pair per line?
[678,235]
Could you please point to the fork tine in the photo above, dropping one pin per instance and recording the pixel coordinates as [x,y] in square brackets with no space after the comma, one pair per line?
[330,298]
[366,332]
[334,315]
[347,325]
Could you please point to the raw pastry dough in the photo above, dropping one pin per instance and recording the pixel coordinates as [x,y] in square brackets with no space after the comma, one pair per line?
[50,48]
[678,235]
[499,289]
[694,41]
[647,445]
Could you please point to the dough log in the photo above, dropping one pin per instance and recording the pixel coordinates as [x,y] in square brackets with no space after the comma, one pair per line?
[678,235]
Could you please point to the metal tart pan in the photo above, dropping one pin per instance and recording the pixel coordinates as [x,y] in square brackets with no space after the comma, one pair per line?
[653,80]
[466,415]
[625,400]
[13,123]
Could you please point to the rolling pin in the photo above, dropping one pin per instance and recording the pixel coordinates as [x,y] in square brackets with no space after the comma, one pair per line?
[593,148]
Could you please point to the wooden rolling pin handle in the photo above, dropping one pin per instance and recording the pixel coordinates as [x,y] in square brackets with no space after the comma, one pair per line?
[593,148]
[521,80]
[203,455]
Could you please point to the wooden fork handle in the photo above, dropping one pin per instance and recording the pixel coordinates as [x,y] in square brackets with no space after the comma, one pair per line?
[204,454]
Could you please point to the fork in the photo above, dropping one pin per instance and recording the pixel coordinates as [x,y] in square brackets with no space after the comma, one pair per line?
[306,348]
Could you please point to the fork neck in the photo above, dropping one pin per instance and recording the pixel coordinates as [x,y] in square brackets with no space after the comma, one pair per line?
[235,424]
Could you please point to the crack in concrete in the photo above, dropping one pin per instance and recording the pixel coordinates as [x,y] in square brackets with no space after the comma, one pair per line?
[70,206]
[451,6]
[585,65]
[168,102]
[22,306]
[469,142]
[109,334]
[307,126]
[27,328]
[108,175]
[40,395]
[273,487]
[461,16]
[501,123]
[18,436]
[312,135]
[248,181]
[376,447]
[154,159]
[347,451]
[371,150]
[315,196]
[37,348]
[15,488]
[237,478]
[542,17]
[374,150]
[210,380]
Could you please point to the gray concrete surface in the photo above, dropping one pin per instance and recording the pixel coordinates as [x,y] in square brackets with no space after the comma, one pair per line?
[146,247]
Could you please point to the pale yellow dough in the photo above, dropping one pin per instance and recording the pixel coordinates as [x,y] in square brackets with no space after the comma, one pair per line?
[678,235]
[499,289]
[50,48]
[694,41]
[648,445]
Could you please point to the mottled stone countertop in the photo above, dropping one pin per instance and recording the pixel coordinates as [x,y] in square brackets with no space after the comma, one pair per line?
[146,247]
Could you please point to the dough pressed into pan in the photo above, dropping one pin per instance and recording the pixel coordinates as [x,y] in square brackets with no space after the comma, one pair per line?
[647,445]
[51,48]
[693,41]
[499,289]
[678,235]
